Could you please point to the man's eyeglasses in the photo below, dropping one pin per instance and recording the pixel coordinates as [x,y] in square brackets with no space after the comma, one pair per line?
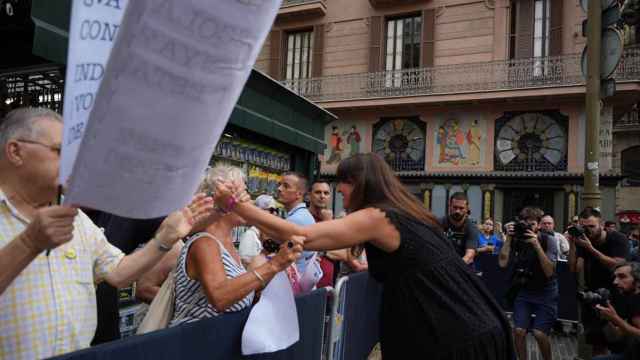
[53,148]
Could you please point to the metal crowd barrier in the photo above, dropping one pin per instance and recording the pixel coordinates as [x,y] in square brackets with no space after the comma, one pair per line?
[497,280]
[355,321]
[353,330]
[217,338]
[355,317]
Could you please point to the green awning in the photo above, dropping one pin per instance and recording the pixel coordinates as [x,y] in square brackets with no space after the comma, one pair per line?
[270,109]
[265,106]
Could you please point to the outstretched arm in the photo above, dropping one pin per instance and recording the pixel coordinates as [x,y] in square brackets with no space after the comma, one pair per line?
[361,226]
[366,225]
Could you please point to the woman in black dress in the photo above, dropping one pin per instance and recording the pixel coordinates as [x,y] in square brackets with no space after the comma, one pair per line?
[433,306]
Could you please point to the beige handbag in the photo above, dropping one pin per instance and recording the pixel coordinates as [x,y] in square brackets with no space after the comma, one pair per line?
[160,311]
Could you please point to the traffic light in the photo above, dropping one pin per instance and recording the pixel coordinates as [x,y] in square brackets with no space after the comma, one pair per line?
[631,12]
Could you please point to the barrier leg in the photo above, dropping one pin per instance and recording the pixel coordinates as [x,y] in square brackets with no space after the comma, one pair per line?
[336,320]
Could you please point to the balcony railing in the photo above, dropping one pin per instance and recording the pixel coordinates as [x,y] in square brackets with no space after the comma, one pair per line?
[296,2]
[296,9]
[530,73]
[630,120]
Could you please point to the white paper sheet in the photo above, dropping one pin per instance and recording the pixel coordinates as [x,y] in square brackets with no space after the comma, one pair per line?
[175,73]
[273,322]
[312,274]
[92,31]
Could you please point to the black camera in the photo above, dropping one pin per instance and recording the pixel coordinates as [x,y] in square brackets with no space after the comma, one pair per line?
[575,231]
[593,298]
[520,229]
[521,277]
[270,246]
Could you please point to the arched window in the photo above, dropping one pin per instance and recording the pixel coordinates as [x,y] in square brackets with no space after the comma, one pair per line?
[531,141]
[631,165]
[401,142]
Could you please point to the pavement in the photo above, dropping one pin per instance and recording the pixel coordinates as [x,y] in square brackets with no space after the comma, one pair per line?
[563,347]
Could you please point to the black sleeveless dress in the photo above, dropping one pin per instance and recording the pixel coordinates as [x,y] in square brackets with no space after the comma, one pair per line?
[433,306]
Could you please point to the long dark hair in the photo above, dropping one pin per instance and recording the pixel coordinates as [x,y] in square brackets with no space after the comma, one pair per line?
[376,185]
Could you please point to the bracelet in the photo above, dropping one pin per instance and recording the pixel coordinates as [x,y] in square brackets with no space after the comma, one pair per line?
[264,284]
[220,210]
[231,203]
[162,247]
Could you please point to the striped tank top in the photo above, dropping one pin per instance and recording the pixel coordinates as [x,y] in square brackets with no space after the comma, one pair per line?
[191,303]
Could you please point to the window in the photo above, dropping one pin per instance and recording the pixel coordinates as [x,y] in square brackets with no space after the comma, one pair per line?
[535,30]
[631,166]
[541,35]
[299,47]
[401,142]
[531,142]
[402,47]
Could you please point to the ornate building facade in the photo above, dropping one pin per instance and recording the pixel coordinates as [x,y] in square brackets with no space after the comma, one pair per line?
[480,96]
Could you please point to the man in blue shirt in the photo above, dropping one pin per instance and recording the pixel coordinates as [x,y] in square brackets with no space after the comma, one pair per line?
[291,191]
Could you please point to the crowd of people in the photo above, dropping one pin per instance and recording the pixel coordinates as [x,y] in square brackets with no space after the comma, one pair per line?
[52,257]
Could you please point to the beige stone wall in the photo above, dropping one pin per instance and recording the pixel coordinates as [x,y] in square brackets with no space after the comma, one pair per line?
[464,34]
[467,31]
[346,47]
[627,197]
[263,61]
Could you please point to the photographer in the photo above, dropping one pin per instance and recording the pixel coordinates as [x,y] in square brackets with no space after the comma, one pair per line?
[597,252]
[625,322]
[457,227]
[534,286]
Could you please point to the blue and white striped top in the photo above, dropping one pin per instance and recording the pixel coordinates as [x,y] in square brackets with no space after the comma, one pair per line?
[191,303]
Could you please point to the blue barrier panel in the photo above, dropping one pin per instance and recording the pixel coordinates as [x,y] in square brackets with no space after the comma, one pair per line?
[498,280]
[568,301]
[361,321]
[311,319]
[495,277]
[215,338]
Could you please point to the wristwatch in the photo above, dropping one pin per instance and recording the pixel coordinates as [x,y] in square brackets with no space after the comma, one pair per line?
[162,247]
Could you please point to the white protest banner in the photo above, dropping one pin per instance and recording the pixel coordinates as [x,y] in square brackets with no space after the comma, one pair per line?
[275,310]
[93,28]
[174,75]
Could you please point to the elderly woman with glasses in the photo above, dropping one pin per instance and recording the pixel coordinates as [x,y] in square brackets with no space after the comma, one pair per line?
[210,277]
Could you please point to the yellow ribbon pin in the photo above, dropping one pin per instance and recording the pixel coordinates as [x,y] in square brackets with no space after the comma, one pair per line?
[70,254]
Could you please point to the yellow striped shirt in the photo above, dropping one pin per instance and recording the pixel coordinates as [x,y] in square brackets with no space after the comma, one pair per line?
[50,308]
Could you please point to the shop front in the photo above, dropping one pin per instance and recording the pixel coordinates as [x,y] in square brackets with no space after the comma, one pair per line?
[503,156]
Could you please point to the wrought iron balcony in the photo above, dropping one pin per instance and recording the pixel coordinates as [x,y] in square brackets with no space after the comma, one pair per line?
[628,121]
[461,78]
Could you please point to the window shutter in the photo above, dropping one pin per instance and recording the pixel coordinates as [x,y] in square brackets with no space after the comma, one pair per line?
[318,49]
[375,44]
[428,36]
[524,29]
[555,32]
[275,66]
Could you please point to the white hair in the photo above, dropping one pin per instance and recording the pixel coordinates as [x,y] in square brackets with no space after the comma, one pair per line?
[223,172]
[21,123]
